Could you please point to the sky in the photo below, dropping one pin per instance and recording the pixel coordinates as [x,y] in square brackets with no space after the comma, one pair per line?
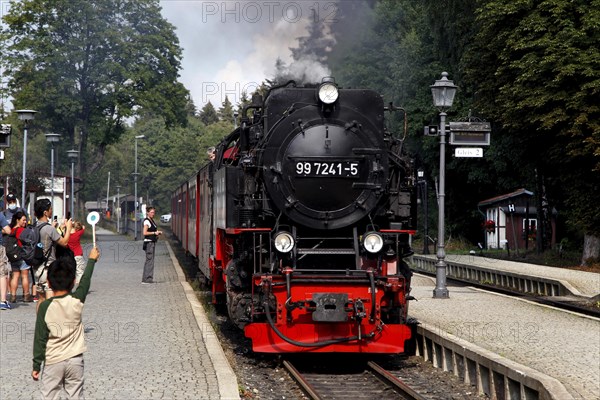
[232,46]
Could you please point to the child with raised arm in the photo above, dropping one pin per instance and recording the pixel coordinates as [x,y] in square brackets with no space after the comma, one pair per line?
[59,340]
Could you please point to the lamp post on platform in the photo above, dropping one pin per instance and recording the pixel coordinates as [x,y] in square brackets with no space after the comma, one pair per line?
[423,182]
[135,178]
[72,154]
[26,116]
[443,92]
[52,138]
[118,209]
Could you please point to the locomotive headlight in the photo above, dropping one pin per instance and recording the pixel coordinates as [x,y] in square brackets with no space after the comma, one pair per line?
[328,93]
[284,242]
[373,242]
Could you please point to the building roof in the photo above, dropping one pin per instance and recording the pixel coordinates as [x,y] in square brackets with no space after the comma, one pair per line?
[504,197]
[95,205]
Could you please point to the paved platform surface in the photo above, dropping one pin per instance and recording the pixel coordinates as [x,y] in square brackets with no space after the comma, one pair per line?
[144,341]
[563,345]
[587,283]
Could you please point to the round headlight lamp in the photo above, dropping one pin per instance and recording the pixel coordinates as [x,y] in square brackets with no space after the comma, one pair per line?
[373,242]
[328,93]
[284,242]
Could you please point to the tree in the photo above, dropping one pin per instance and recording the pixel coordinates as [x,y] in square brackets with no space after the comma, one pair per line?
[209,115]
[89,66]
[226,111]
[537,72]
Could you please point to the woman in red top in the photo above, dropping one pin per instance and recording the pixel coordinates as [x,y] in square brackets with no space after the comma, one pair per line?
[19,268]
[75,246]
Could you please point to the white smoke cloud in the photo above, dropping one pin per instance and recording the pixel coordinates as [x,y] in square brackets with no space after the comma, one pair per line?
[230,46]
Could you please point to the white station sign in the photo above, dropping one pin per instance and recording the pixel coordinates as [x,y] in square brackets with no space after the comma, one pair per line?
[468,152]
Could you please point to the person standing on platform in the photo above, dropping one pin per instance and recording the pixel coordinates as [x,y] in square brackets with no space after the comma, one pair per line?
[12,208]
[49,237]
[4,264]
[75,247]
[59,348]
[151,234]
[20,269]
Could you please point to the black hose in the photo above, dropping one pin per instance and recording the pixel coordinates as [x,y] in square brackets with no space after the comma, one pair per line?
[317,344]
[373,297]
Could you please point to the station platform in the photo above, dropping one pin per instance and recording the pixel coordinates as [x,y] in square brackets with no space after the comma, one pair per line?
[530,278]
[144,341]
[506,347]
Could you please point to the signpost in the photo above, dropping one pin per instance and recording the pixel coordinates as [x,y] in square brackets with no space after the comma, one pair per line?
[468,152]
[470,133]
[5,131]
[93,219]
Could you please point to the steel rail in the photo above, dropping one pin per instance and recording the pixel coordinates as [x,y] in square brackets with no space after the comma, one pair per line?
[396,382]
[307,387]
[376,373]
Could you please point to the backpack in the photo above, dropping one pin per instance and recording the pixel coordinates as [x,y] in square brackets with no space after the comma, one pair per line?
[33,248]
[14,252]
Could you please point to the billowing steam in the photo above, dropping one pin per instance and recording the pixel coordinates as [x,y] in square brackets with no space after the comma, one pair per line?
[306,70]
[309,63]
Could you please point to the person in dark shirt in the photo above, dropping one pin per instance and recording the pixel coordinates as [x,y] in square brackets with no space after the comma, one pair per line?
[151,234]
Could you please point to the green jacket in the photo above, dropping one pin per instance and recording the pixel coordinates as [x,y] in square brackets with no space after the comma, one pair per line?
[58,328]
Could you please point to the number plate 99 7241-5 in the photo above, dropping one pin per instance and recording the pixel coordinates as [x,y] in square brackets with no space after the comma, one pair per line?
[327,169]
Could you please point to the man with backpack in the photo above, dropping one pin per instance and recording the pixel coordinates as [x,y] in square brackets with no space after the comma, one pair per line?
[49,238]
[4,264]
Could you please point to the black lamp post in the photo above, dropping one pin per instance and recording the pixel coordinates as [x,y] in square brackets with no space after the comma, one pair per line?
[117,210]
[52,138]
[72,154]
[423,182]
[443,92]
[135,179]
[25,116]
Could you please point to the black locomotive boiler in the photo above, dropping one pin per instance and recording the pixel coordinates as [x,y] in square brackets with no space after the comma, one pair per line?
[303,222]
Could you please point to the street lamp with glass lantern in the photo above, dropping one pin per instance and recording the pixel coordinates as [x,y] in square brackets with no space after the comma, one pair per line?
[443,92]
[235,115]
[422,181]
[73,155]
[135,177]
[26,116]
[52,138]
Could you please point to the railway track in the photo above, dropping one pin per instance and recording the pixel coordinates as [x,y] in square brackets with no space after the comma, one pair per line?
[370,382]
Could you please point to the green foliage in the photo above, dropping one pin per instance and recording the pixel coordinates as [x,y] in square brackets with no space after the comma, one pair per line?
[167,157]
[209,115]
[536,67]
[89,66]
[531,68]
[226,111]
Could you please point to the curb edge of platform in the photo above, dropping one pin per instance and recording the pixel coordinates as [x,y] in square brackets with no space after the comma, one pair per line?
[548,387]
[228,384]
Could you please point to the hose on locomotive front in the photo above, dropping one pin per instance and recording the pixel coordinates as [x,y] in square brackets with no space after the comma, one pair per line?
[316,344]
[373,298]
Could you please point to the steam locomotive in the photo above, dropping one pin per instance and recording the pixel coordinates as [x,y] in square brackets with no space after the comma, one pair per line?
[302,222]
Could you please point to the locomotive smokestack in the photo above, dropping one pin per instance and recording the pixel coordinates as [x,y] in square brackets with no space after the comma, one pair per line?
[257,100]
